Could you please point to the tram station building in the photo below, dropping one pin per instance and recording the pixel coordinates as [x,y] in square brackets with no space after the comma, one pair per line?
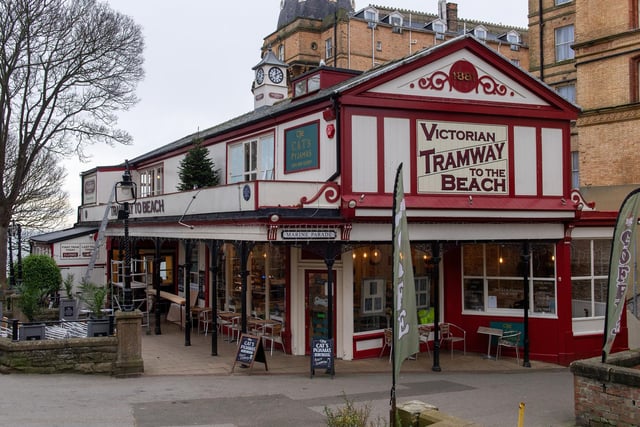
[299,230]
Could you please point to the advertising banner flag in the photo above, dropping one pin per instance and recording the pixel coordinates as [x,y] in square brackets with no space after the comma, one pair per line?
[623,254]
[405,316]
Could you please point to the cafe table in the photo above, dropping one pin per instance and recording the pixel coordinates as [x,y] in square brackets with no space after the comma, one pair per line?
[490,333]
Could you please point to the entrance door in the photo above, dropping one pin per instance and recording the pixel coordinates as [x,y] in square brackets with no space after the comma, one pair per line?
[317,306]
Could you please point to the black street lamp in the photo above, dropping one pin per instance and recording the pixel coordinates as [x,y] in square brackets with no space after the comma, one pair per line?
[125,194]
[15,230]
[12,273]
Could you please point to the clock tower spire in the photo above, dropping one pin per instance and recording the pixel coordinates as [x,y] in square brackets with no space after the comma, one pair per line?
[270,81]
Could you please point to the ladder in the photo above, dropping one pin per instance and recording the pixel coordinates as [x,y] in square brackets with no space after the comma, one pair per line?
[100,238]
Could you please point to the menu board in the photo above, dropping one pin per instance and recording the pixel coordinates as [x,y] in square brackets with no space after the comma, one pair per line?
[322,355]
[250,350]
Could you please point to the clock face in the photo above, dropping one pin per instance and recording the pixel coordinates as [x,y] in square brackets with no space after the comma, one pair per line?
[275,74]
[259,76]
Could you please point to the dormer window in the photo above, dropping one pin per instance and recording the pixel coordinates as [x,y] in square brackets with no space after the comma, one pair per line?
[439,26]
[371,14]
[480,32]
[514,39]
[395,19]
[305,86]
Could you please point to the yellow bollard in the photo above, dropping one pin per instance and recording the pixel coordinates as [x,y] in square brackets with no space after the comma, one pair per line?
[521,414]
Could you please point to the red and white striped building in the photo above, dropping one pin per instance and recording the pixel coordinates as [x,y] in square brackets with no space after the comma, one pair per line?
[306,194]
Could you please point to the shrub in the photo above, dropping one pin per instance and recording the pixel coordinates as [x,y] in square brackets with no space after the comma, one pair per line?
[41,278]
[350,416]
[93,295]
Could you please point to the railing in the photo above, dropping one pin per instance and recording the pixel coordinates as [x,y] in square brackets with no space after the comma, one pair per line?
[238,197]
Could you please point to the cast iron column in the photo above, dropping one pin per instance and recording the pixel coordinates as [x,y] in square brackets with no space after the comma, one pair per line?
[435,250]
[526,260]
[128,296]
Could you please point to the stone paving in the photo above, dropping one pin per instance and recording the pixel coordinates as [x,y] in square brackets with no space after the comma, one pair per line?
[166,354]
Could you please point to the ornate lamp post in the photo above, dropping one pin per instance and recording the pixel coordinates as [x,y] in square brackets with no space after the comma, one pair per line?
[15,230]
[125,194]
[12,273]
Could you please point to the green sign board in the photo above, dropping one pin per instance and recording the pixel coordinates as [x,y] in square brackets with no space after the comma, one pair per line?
[301,148]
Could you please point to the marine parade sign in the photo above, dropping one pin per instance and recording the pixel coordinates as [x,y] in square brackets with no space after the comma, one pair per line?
[464,158]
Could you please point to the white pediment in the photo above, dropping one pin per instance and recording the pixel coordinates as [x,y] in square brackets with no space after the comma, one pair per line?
[461,75]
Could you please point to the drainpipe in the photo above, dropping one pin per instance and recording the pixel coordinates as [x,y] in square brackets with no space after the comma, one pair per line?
[336,112]
[541,26]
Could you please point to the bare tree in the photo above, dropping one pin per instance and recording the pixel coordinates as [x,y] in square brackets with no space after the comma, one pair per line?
[42,204]
[66,68]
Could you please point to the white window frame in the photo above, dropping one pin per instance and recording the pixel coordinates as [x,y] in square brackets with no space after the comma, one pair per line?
[513,37]
[373,297]
[589,324]
[488,307]
[151,181]
[559,2]
[395,19]
[564,38]
[252,160]
[480,32]
[575,169]
[568,92]
[423,292]
[439,27]
[328,48]
[281,52]
[371,14]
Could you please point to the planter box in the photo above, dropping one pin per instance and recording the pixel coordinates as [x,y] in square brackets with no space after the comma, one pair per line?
[68,309]
[98,327]
[31,332]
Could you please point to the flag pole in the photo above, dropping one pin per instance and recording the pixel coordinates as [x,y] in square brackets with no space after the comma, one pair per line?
[392,416]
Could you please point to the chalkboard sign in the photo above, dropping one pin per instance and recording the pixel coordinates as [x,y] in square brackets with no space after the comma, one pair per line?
[322,355]
[250,350]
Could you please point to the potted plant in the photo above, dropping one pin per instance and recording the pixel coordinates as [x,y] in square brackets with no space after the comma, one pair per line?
[41,278]
[94,296]
[68,307]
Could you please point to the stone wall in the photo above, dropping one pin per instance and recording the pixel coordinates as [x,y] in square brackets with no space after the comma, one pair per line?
[79,355]
[607,393]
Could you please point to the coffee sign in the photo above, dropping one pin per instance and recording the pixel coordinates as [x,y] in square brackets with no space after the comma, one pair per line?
[464,158]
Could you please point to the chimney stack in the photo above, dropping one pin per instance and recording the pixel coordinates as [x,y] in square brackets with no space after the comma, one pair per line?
[452,17]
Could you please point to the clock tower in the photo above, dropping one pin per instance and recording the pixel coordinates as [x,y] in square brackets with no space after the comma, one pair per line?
[270,81]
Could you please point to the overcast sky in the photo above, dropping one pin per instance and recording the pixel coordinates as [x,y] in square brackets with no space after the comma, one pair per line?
[198,59]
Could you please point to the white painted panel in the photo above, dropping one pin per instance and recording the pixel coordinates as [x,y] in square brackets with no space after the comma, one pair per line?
[524,160]
[552,162]
[397,149]
[416,82]
[364,170]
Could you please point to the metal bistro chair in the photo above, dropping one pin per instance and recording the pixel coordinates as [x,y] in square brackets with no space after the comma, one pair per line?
[452,334]
[273,332]
[388,342]
[510,339]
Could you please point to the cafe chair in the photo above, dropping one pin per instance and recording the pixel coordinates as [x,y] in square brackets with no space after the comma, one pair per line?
[510,339]
[235,329]
[424,336]
[223,324]
[273,332]
[204,320]
[388,342]
[451,333]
